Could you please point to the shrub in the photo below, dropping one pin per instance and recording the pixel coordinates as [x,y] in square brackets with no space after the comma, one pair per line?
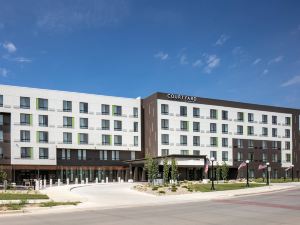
[155,188]
[162,192]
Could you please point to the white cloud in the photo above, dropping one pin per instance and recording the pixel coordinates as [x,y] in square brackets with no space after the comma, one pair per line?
[10,47]
[212,61]
[183,59]
[238,50]
[3,72]
[256,61]
[276,59]
[266,71]
[161,55]
[22,60]
[222,39]
[198,63]
[294,80]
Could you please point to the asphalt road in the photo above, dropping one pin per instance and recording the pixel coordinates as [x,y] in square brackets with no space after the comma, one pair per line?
[275,208]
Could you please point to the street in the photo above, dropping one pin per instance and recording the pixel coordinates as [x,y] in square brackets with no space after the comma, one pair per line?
[274,208]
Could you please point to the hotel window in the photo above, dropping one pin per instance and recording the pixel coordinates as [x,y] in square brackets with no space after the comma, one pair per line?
[115,155]
[239,156]
[1,136]
[63,154]
[288,157]
[288,121]
[42,136]
[196,152]
[287,145]
[274,145]
[24,102]
[250,117]
[1,100]
[164,139]
[196,140]
[1,153]
[164,109]
[117,110]
[25,119]
[1,120]
[240,116]
[274,132]
[274,157]
[25,135]
[250,144]
[213,114]
[213,154]
[106,139]
[105,125]
[67,122]
[67,138]
[135,141]
[117,125]
[287,133]
[274,120]
[165,152]
[104,109]
[224,115]
[83,138]
[250,130]
[135,112]
[196,112]
[213,141]
[183,111]
[264,145]
[132,155]
[83,107]
[81,154]
[103,154]
[224,142]
[240,130]
[43,153]
[42,104]
[183,140]
[184,152]
[213,128]
[43,120]
[264,157]
[118,140]
[196,126]
[224,128]
[67,106]
[84,123]
[224,156]
[240,143]
[164,124]
[26,152]
[184,125]
[264,119]
[250,156]
[68,154]
[264,131]
[135,126]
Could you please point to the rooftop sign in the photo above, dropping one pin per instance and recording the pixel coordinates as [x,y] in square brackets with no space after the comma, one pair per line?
[185,98]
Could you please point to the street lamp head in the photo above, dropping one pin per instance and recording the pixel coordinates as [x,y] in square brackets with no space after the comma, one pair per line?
[212,159]
[267,163]
[247,161]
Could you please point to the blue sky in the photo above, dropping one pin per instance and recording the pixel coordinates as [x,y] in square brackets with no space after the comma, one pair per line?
[236,50]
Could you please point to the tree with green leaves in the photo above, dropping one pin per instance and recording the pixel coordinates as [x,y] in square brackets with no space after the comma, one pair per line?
[152,168]
[174,169]
[166,170]
[225,170]
[3,175]
[218,172]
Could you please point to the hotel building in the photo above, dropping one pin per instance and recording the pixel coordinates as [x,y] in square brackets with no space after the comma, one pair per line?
[58,134]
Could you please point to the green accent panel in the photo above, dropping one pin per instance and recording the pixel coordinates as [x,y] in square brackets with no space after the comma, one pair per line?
[78,138]
[113,109]
[187,125]
[37,136]
[73,122]
[30,119]
[110,139]
[31,152]
[216,114]
[37,103]
[217,141]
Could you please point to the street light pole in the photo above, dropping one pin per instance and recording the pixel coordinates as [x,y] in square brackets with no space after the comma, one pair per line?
[212,174]
[247,164]
[268,164]
[292,172]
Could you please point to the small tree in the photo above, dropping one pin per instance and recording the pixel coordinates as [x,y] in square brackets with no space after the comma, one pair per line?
[225,170]
[152,168]
[166,170]
[218,172]
[3,175]
[174,170]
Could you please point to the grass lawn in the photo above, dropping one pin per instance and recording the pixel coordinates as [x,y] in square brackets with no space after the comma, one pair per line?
[18,196]
[51,204]
[221,187]
[279,180]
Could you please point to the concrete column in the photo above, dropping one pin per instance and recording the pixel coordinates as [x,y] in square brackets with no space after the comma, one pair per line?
[37,184]
[96,181]
[58,182]
[130,171]
[50,182]
[76,180]
[106,179]
[45,183]
[68,181]
[82,181]
[135,174]
[86,180]
[144,174]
